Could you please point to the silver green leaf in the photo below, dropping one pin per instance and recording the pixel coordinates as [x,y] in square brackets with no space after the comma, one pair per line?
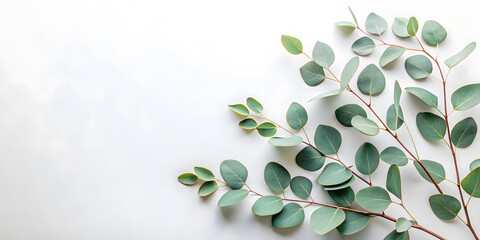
[418,67]
[248,124]
[412,26]
[391,54]
[365,125]
[345,113]
[444,206]
[267,206]
[292,45]
[285,141]
[431,126]
[375,24]
[323,55]
[297,116]
[312,74]
[267,129]
[325,219]
[471,183]
[434,168]
[464,133]
[466,97]
[433,33]
[394,117]
[207,188]
[399,27]
[334,174]
[354,222]
[310,159]
[402,225]
[204,174]
[301,186]
[345,24]
[363,46]
[291,215]
[254,105]
[394,181]
[367,158]
[327,139]
[424,95]
[232,197]
[373,199]
[393,155]
[457,58]
[233,173]
[239,109]
[276,176]
[371,80]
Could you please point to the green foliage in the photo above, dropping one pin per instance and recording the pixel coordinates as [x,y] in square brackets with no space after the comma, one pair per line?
[248,124]
[301,186]
[393,155]
[474,164]
[276,177]
[418,67]
[394,181]
[391,54]
[325,219]
[444,206]
[345,24]
[394,117]
[457,58]
[371,80]
[431,126]
[188,178]
[310,159]
[233,173]
[327,139]
[285,141]
[297,116]
[433,33]
[267,129]
[373,199]
[402,225]
[291,215]
[239,109]
[464,133]
[354,222]
[471,183]
[394,235]
[323,55]
[267,206]
[363,46]
[207,188]
[412,26]
[399,27]
[466,97]
[435,169]
[365,125]
[292,45]
[427,97]
[232,197]
[375,24]
[367,158]
[334,174]
[344,197]
[204,174]
[312,74]
[345,113]
[254,105]
[343,185]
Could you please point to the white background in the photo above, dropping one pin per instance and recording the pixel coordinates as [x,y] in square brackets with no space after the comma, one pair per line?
[105,103]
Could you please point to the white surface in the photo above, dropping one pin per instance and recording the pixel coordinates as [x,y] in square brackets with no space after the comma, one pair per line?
[105,103]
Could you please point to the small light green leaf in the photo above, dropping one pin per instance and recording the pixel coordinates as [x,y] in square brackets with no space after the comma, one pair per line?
[457,58]
[466,97]
[301,186]
[267,129]
[207,188]
[345,113]
[334,174]
[343,185]
[345,24]
[464,133]
[325,219]
[373,199]
[344,197]
[232,197]
[327,94]
[434,168]
[276,176]
[424,95]
[418,67]
[371,80]
[267,206]
[474,164]
[310,159]
[204,174]
[348,72]
[412,26]
[399,27]
[323,55]
[254,105]
[248,124]
[297,116]
[291,215]
[327,139]
[312,74]
[394,235]
[363,46]
[444,206]
[188,178]
[431,126]
[353,15]
[403,225]
[394,181]
[365,125]
[367,158]
[375,24]
[391,54]
[233,173]
[471,183]
[239,109]
[285,141]
[354,222]
[292,45]
[393,155]
[433,33]
[397,93]
[394,120]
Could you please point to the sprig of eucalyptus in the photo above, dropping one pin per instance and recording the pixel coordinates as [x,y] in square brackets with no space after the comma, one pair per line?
[336,176]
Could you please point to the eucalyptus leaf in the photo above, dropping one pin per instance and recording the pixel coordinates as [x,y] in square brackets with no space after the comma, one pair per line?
[343,185]
[323,55]
[353,15]
[327,139]
[344,197]
[412,26]
[367,158]
[464,133]
[207,188]
[397,93]
[394,120]
[375,24]
[402,225]
[334,174]
[310,159]
[254,105]
[371,80]
[292,45]
[327,94]
[232,197]
[248,124]
[373,199]
[348,72]
[393,155]
[394,181]
[363,46]
[354,222]
[286,141]
[471,183]
[325,219]
[433,33]
[301,186]
[466,97]
[345,24]
[457,58]
[394,235]
[431,126]
[444,206]
[365,125]
[233,173]
[297,116]
[474,164]
[427,97]
[418,67]
[391,54]
[434,168]
[291,215]
[188,179]
[345,113]
[399,27]
[276,177]
[312,74]
[267,206]
[239,109]
[267,129]
[204,174]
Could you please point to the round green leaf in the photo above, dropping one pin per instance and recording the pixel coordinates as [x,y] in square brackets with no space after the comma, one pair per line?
[424,95]
[188,178]
[292,45]
[285,141]
[435,169]
[343,185]
[232,197]
[394,120]
[276,176]
[204,174]
[327,139]
[464,133]
[474,164]
[334,174]
[444,206]
[399,27]
[233,173]
[367,158]
[375,24]
[354,222]
[297,116]
[325,219]
[466,97]
[248,124]
[345,113]
[267,206]
[393,155]
[291,215]
[345,24]
[310,159]
[433,33]
[391,54]
[267,129]
[431,126]
[471,183]
[207,188]
[373,199]
[394,235]
[371,80]
[254,105]
[394,181]
[418,67]
[412,26]
[344,197]
[363,46]
[301,186]
[365,125]
[402,225]
[323,54]
[457,58]
[239,109]
[312,74]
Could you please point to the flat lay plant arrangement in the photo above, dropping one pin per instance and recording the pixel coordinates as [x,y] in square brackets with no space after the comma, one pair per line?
[356,206]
